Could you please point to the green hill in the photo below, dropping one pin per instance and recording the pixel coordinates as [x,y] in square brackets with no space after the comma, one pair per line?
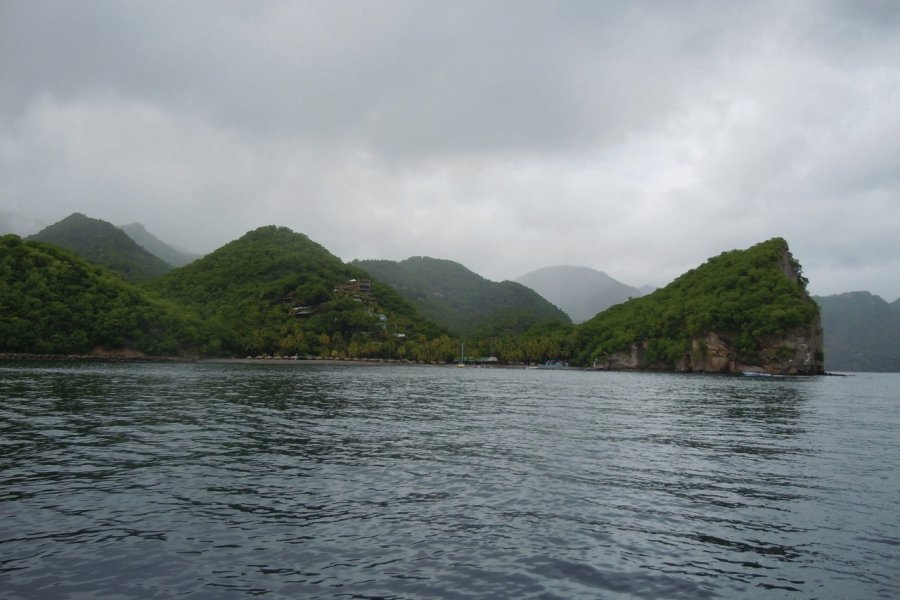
[462,301]
[744,309]
[155,246]
[104,244]
[862,332]
[53,301]
[275,291]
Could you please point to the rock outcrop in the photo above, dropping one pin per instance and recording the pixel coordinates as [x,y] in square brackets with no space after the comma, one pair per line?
[797,354]
[742,311]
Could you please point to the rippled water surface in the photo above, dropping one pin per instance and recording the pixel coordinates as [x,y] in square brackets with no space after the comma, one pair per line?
[301,481]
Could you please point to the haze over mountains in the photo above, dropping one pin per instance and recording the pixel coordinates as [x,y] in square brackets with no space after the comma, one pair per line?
[581,292]
[173,256]
[861,330]
[12,222]
[104,244]
[454,297]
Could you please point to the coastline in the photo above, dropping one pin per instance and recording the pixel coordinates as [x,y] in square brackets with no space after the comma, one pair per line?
[98,357]
[135,357]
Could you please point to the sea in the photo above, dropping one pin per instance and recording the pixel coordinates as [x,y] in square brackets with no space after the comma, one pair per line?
[294,480]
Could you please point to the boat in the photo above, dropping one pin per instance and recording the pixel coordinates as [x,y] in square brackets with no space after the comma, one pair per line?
[755,374]
[554,364]
[462,356]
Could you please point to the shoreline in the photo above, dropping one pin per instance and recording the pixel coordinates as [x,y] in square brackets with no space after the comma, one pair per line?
[99,357]
[133,357]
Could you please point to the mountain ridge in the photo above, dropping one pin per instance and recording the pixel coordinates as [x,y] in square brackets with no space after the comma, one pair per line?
[155,246]
[276,291]
[454,297]
[581,292]
[104,244]
[862,332]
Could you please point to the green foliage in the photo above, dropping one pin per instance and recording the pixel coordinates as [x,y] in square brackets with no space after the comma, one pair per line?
[465,303]
[104,244]
[248,289]
[52,301]
[542,343]
[749,296]
[274,291]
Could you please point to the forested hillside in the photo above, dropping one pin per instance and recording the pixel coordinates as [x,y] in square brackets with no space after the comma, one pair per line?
[276,291]
[454,297]
[53,301]
[753,302]
[104,244]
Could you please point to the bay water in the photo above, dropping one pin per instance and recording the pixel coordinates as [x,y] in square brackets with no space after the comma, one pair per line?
[293,480]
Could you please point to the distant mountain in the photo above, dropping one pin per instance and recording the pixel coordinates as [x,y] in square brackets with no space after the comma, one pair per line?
[55,302]
[157,247]
[454,297]
[580,291]
[277,291]
[104,244]
[741,310]
[862,332]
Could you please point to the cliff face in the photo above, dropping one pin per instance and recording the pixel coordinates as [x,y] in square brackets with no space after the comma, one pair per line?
[796,352]
[799,353]
[742,311]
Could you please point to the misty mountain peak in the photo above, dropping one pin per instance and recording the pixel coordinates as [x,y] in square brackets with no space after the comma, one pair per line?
[581,292]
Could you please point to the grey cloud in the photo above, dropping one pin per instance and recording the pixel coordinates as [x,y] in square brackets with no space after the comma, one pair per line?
[401,78]
[635,137]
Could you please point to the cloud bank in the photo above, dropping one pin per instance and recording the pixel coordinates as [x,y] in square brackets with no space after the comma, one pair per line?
[638,138]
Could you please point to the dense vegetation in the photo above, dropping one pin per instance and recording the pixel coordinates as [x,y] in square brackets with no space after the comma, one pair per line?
[52,301]
[465,303]
[274,291]
[104,244]
[746,295]
[862,332]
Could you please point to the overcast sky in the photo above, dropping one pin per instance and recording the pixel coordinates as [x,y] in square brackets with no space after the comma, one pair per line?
[637,138]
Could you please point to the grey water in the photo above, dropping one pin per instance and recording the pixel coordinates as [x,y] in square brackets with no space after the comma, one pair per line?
[148,480]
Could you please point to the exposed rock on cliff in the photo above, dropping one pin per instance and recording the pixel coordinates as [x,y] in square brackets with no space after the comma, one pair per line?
[740,311]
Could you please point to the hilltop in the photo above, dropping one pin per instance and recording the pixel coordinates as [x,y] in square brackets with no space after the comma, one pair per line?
[742,310]
[104,244]
[465,303]
[278,292]
[579,291]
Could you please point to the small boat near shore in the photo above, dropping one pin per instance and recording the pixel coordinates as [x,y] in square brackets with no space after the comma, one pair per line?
[756,374]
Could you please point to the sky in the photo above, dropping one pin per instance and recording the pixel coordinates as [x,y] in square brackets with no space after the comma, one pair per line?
[636,137]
